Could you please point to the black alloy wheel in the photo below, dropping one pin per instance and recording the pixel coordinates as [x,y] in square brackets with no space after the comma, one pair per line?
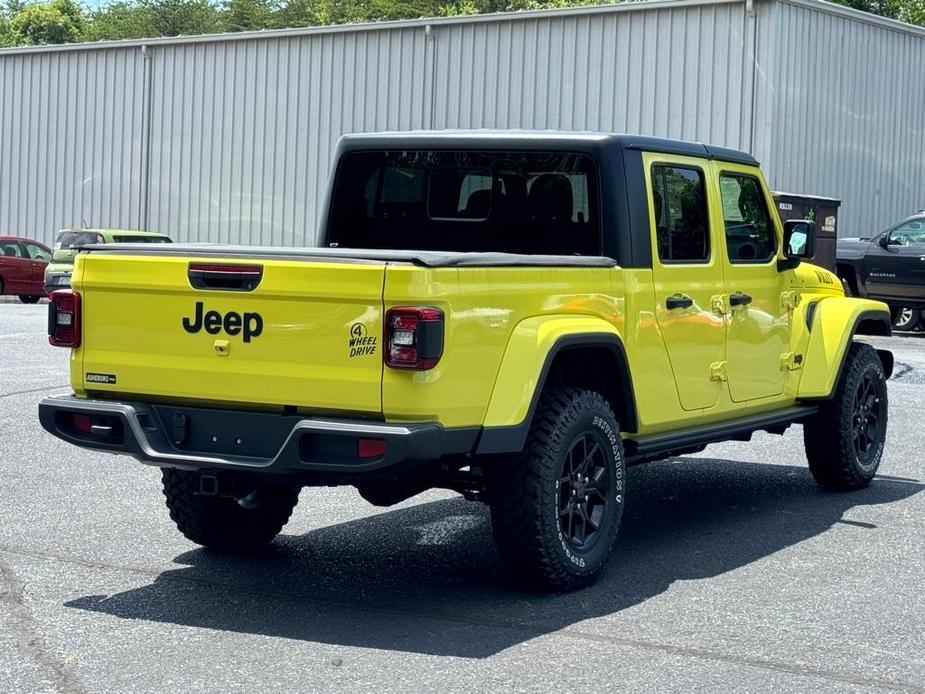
[868,420]
[584,492]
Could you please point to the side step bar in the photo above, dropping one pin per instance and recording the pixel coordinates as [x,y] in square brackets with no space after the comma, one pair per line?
[685,440]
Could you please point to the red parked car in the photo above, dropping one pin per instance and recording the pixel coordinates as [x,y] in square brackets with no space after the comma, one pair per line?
[22,268]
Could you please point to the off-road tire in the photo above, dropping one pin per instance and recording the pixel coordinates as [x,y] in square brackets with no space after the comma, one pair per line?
[220,522]
[836,458]
[28,299]
[526,493]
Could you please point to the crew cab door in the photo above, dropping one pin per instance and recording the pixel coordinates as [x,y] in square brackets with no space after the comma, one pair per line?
[39,256]
[896,269]
[687,275]
[758,331]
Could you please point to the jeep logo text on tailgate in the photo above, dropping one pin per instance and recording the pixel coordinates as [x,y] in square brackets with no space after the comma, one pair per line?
[249,325]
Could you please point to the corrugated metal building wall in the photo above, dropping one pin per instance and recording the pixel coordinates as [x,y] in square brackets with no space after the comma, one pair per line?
[230,138]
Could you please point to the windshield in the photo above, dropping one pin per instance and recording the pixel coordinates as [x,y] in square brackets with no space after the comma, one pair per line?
[74,239]
[495,201]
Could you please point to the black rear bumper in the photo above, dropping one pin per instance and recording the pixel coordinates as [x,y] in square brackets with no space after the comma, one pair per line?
[265,443]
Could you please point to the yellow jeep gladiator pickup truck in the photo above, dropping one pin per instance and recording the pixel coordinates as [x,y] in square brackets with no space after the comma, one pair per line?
[514,316]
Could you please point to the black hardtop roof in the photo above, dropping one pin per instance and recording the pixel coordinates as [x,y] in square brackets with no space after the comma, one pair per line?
[589,142]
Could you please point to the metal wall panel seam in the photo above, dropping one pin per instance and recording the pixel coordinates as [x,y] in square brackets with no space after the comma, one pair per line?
[147,110]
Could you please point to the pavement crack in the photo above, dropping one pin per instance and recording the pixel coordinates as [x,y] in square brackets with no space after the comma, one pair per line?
[27,634]
[530,629]
[900,370]
[32,390]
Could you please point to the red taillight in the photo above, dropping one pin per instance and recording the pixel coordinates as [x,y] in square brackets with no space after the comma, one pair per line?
[413,338]
[64,318]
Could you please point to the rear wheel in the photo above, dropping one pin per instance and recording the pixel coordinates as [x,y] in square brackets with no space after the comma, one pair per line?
[556,507]
[905,318]
[232,524]
[27,299]
[844,441]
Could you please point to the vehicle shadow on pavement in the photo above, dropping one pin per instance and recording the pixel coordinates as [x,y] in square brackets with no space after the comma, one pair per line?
[427,578]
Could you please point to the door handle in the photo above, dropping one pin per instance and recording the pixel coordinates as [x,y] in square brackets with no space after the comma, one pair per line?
[678,301]
[739,299]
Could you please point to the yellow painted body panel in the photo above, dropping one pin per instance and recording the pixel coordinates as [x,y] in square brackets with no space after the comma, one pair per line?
[520,373]
[132,312]
[694,337]
[829,339]
[759,333]
[482,306]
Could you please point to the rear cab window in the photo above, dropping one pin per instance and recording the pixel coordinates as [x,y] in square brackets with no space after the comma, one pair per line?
[490,201]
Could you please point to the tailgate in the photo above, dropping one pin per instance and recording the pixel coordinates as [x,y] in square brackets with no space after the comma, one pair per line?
[192,328]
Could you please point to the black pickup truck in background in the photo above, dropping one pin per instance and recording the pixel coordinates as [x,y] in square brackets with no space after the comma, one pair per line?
[889,267]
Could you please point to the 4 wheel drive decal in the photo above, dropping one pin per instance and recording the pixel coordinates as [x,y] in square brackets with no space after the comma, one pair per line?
[249,325]
[361,342]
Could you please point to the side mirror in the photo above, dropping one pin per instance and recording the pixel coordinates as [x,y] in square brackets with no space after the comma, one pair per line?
[799,242]
[884,241]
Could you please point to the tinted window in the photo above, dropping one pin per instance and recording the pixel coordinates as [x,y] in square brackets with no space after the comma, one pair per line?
[750,235]
[141,239]
[459,194]
[515,202]
[680,205]
[911,233]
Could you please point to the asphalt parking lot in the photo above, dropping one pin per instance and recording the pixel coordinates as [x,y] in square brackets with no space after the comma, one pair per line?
[733,573]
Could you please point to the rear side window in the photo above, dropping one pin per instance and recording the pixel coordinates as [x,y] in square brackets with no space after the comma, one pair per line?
[499,201]
[141,239]
[750,235]
[680,206]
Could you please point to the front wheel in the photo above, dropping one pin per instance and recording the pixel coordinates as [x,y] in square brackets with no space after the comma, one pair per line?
[844,441]
[556,507]
[228,523]
[28,299]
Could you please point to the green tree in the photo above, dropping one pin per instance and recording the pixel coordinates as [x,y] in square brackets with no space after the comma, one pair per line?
[121,20]
[7,37]
[59,21]
[247,15]
[884,8]
[11,8]
[913,11]
[303,13]
[183,17]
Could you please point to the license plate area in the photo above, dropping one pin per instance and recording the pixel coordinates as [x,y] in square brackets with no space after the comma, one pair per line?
[225,432]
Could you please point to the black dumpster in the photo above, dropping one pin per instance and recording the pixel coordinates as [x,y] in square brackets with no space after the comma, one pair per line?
[823,211]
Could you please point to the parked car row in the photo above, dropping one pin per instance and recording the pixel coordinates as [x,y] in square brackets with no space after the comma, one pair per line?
[31,270]
[889,267]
